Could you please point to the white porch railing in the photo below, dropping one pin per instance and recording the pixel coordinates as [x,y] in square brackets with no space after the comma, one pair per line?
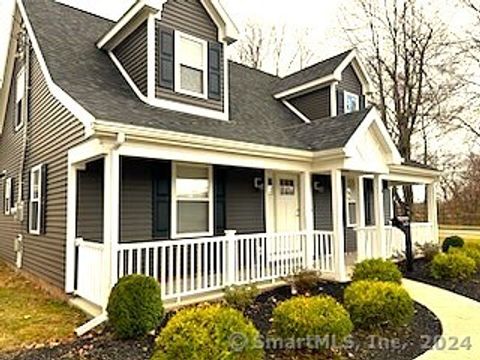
[423,233]
[195,266]
[90,282]
[366,238]
[395,241]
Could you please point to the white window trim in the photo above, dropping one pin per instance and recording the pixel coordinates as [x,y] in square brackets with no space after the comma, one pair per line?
[38,199]
[21,73]
[347,94]
[173,222]
[347,208]
[7,198]
[177,82]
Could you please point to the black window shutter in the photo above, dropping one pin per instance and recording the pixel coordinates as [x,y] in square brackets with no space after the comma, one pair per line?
[219,182]
[340,102]
[12,193]
[362,102]
[368,198]
[214,70]
[167,58]
[161,201]
[43,200]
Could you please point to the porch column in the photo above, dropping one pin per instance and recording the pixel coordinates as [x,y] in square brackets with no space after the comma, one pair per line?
[380,246]
[432,210]
[338,225]
[111,220]
[308,221]
[71,228]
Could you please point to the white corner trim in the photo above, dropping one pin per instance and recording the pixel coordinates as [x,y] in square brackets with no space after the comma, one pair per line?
[297,112]
[333,99]
[66,100]
[168,104]
[151,57]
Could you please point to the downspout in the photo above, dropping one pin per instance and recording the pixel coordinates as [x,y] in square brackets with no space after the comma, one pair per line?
[103,317]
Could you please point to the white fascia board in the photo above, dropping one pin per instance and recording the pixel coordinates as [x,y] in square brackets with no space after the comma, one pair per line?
[374,118]
[136,14]
[228,30]
[409,170]
[104,128]
[297,112]
[304,87]
[359,68]
[65,99]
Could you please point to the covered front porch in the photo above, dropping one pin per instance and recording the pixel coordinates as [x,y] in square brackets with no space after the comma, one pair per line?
[200,218]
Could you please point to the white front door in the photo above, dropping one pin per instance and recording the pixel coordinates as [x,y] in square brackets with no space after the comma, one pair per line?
[287,203]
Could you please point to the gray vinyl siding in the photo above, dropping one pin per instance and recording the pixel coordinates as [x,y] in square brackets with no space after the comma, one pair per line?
[322,205]
[136,219]
[132,54]
[314,105]
[90,202]
[188,16]
[387,194]
[351,83]
[52,130]
[11,145]
[244,205]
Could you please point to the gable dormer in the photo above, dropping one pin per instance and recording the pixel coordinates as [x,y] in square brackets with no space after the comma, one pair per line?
[173,55]
[333,87]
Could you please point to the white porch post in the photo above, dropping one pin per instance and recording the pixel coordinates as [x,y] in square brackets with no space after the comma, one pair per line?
[111,220]
[71,228]
[308,221]
[338,226]
[380,246]
[432,210]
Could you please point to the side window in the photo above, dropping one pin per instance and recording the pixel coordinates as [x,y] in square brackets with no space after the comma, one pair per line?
[20,99]
[351,203]
[36,206]
[8,196]
[352,102]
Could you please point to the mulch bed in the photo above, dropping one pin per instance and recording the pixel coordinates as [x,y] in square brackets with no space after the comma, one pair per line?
[103,346]
[421,272]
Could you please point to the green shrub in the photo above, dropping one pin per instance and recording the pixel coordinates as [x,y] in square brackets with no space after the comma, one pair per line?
[472,252]
[377,269]
[135,306]
[378,303]
[304,317]
[452,241]
[240,297]
[210,332]
[429,251]
[305,282]
[454,265]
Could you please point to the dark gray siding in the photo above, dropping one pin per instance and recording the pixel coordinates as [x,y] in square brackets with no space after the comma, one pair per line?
[351,83]
[132,54]
[244,205]
[11,145]
[314,105]
[136,220]
[90,202]
[387,194]
[322,208]
[188,16]
[52,130]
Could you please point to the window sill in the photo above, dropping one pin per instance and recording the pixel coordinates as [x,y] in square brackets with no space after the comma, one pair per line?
[191,235]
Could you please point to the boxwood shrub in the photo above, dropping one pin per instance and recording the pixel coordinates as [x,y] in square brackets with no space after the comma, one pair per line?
[135,306]
[377,269]
[453,265]
[452,241]
[303,317]
[378,303]
[207,333]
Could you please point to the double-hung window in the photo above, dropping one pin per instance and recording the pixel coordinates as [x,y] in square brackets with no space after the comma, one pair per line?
[192,205]
[352,102]
[351,203]
[191,62]
[19,99]
[7,199]
[35,206]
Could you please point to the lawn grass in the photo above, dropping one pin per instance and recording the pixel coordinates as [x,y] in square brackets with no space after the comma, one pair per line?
[470,234]
[30,316]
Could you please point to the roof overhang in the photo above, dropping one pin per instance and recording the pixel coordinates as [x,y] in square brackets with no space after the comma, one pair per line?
[413,174]
[335,76]
[142,9]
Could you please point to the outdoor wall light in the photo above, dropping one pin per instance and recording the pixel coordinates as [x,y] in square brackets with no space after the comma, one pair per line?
[318,187]
[258,183]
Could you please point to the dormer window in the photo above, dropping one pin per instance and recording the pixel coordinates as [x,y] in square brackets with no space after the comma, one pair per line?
[352,102]
[191,65]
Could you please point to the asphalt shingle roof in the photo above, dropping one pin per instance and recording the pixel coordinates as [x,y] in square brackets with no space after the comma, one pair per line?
[67,39]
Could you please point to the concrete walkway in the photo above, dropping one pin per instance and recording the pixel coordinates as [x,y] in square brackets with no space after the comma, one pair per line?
[460,319]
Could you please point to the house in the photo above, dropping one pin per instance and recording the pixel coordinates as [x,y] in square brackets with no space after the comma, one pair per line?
[136,147]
